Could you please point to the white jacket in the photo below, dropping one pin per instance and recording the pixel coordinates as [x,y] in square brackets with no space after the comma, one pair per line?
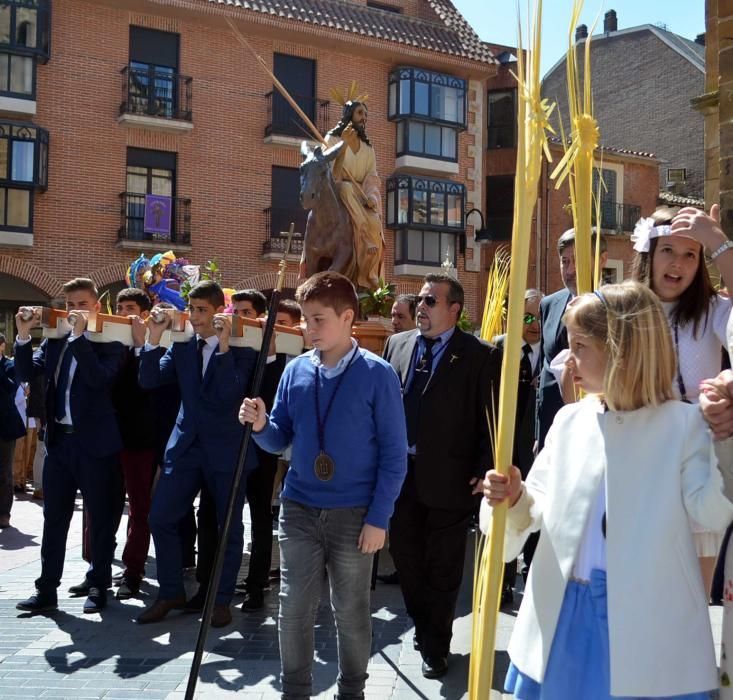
[657,463]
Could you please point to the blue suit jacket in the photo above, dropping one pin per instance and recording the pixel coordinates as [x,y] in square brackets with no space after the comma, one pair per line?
[554,340]
[210,407]
[92,412]
[11,424]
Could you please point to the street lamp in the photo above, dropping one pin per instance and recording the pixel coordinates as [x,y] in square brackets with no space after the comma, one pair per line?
[482,234]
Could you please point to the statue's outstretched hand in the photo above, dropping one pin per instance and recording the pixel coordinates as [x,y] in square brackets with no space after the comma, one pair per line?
[351,138]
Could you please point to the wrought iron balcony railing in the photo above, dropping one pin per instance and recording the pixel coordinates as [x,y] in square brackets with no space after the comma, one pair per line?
[277,223]
[283,120]
[156,93]
[133,221]
[618,217]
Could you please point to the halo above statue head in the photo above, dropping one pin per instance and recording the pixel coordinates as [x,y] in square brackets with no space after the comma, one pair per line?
[351,94]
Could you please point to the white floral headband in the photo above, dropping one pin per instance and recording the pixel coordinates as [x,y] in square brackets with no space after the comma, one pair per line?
[645,230]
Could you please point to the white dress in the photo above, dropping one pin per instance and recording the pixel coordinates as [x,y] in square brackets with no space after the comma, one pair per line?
[699,357]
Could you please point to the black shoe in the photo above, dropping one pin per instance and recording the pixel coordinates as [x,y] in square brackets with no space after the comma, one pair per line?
[416,643]
[435,667]
[507,596]
[275,574]
[81,589]
[129,588]
[196,604]
[253,600]
[97,600]
[391,579]
[39,603]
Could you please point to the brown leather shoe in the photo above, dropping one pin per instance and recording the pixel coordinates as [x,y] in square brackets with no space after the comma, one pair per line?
[221,616]
[159,609]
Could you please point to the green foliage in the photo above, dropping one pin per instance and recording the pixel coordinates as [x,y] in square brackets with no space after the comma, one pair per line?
[377,302]
[209,271]
[464,322]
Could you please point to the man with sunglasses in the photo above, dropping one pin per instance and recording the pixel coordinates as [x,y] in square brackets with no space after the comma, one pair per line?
[450,381]
[524,426]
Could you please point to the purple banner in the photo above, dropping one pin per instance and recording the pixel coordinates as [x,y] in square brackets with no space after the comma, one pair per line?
[158,214]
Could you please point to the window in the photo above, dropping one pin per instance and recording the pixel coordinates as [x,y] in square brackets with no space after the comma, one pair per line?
[427,203]
[427,140]
[428,96]
[25,27]
[151,75]
[23,154]
[298,76]
[420,247]
[502,119]
[285,198]
[17,76]
[676,176]
[148,173]
[499,206]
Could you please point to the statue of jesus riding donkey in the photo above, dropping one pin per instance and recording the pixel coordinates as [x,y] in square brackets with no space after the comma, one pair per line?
[340,186]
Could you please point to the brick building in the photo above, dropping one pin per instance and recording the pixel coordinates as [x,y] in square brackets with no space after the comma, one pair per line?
[105,102]
[643,80]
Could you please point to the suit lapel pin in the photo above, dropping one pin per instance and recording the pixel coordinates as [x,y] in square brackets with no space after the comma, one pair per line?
[453,358]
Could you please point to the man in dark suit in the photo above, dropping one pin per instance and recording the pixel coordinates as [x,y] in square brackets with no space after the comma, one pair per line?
[449,381]
[554,335]
[11,429]
[524,425]
[203,447]
[82,441]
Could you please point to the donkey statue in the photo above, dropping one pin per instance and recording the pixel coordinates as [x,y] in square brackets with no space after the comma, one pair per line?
[329,236]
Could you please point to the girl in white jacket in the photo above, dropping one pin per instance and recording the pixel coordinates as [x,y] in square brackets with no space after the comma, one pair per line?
[614,604]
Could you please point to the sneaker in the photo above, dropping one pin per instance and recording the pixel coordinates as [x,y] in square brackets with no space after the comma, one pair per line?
[39,603]
[96,601]
[129,588]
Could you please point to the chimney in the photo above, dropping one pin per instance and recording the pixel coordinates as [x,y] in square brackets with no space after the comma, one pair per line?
[700,39]
[610,22]
[581,32]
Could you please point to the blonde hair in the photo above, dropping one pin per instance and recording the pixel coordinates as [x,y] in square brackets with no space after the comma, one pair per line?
[629,322]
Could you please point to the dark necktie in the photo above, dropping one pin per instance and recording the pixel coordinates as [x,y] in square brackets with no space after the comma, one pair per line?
[525,364]
[200,343]
[62,383]
[420,378]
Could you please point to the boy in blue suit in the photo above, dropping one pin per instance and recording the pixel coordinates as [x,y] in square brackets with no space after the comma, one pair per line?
[203,447]
[82,442]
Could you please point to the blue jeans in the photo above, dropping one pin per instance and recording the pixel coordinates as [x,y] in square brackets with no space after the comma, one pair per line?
[311,539]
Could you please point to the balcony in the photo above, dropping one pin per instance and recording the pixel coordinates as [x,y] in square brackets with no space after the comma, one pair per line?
[135,229]
[617,217]
[156,99]
[284,127]
[277,223]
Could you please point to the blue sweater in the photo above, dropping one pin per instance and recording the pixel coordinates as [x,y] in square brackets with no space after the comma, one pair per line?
[365,435]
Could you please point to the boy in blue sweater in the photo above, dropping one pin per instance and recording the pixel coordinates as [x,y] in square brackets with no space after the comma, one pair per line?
[341,410]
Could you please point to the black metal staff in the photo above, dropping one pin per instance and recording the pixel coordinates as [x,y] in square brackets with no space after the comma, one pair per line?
[237,478]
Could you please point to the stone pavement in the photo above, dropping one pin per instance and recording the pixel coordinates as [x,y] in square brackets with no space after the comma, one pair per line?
[71,655]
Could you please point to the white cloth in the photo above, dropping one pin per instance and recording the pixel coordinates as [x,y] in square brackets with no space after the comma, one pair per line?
[657,465]
[700,358]
[592,549]
[20,403]
[212,342]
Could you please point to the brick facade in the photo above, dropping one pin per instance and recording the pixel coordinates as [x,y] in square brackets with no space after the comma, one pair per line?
[642,89]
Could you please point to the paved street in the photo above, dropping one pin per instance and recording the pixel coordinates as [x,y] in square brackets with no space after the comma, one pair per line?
[71,655]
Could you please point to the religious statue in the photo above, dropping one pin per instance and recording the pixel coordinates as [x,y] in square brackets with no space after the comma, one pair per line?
[344,232]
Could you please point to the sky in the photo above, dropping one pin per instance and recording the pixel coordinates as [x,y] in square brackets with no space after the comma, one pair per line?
[496,20]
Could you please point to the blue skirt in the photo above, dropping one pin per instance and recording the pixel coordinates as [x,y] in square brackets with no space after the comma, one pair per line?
[579,663]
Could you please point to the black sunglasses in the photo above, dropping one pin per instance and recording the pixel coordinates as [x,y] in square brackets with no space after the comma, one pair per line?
[529,318]
[429,300]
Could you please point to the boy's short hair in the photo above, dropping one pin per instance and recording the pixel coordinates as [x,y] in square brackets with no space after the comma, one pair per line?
[208,290]
[255,297]
[79,284]
[330,289]
[410,300]
[136,296]
[455,288]
[290,307]
[568,238]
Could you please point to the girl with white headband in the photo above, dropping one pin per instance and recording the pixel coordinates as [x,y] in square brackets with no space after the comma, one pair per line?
[670,260]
